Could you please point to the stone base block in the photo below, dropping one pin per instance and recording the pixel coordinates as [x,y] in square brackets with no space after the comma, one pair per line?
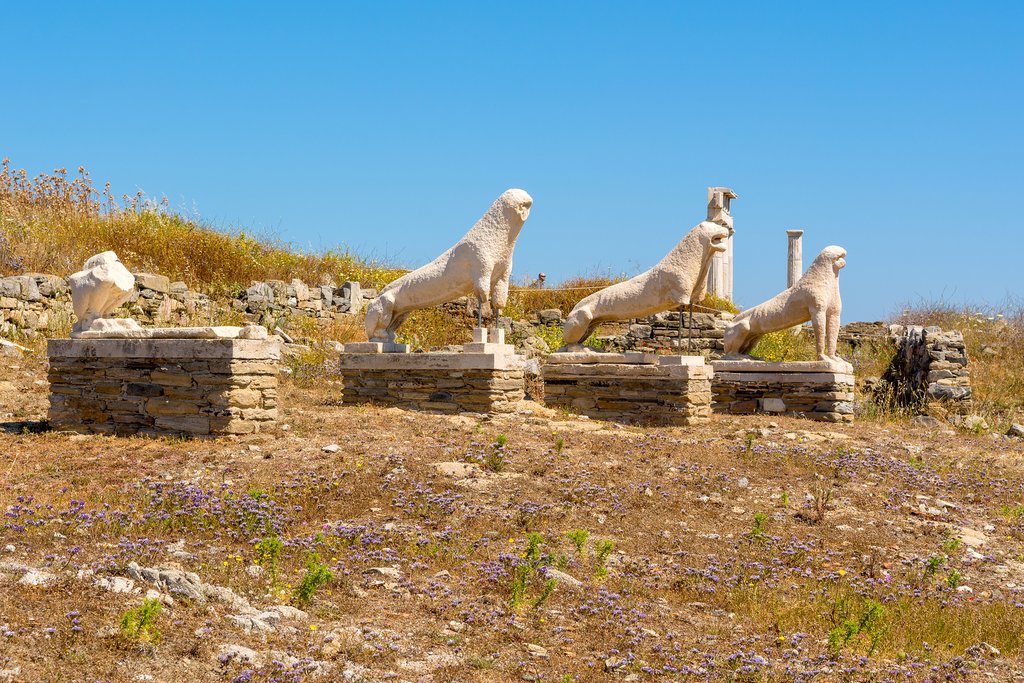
[781,389]
[193,387]
[435,382]
[674,391]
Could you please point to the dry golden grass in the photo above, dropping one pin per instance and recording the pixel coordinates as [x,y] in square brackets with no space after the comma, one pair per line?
[523,301]
[53,223]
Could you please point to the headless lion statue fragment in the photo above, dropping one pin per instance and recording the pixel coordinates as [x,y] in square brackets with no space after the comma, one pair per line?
[814,297]
[479,264]
[680,278]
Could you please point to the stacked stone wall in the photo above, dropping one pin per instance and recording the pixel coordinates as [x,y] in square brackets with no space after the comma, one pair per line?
[41,304]
[826,397]
[264,302]
[658,333]
[643,394]
[194,387]
[436,390]
[36,303]
[661,332]
[931,365]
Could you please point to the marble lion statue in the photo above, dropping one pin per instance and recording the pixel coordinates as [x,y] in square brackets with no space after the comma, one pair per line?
[97,290]
[479,264]
[814,297]
[680,278]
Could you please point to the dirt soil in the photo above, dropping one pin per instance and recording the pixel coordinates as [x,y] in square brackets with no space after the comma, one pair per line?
[367,544]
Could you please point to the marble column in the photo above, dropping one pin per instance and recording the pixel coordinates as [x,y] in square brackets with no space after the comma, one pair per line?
[720,271]
[796,257]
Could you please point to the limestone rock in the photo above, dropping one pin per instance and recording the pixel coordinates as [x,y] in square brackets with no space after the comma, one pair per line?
[549,315]
[37,577]
[562,578]
[158,283]
[11,349]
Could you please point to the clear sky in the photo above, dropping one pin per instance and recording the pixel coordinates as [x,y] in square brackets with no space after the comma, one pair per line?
[890,128]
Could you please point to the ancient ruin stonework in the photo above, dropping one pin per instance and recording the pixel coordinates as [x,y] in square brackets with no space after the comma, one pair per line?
[193,387]
[661,332]
[36,303]
[264,302]
[642,393]
[434,382]
[930,366]
[807,390]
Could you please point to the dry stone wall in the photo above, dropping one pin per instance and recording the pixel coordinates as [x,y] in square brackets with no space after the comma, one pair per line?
[195,387]
[661,332]
[931,365]
[36,303]
[276,299]
[474,390]
[826,397]
[631,393]
[653,334]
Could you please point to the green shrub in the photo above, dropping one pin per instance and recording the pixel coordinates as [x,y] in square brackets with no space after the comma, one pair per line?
[268,554]
[317,575]
[137,622]
[785,345]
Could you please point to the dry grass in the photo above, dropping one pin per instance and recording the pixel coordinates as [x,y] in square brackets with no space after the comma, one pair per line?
[786,345]
[524,301]
[53,223]
[684,565]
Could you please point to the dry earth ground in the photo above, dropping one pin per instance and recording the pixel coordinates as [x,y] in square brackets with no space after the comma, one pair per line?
[747,550]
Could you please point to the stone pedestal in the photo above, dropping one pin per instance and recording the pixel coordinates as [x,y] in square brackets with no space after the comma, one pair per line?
[815,390]
[485,378]
[630,387]
[194,387]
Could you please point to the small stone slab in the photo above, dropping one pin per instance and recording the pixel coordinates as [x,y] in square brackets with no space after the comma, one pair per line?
[188,349]
[431,361]
[599,357]
[488,347]
[782,377]
[216,332]
[687,361]
[761,366]
[375,347]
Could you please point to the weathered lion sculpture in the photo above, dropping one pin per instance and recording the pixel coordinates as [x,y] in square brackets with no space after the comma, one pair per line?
[814,297]
[677,280]
[101,286]
[479,264]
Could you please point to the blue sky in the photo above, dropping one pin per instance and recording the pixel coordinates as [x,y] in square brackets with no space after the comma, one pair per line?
[892,129]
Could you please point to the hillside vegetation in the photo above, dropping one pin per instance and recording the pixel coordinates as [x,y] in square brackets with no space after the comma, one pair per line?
[52,223]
